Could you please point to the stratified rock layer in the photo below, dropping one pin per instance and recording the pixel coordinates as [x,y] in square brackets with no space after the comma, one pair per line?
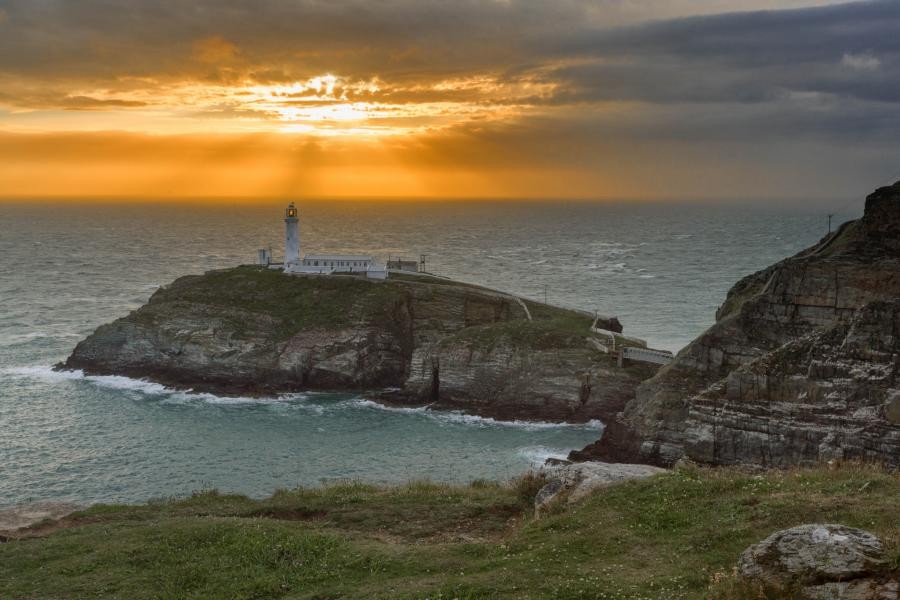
[258,331]
[800,366]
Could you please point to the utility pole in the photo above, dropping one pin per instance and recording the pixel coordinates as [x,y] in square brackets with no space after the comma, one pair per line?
[829,223]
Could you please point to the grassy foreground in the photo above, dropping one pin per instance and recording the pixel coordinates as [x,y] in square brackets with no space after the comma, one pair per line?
[666,537]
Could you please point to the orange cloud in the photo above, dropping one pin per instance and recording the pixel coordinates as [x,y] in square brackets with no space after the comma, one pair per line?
[214,49]
[387,99]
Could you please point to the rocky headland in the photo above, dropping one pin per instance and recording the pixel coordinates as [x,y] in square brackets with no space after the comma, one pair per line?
[800,366]
[411,340]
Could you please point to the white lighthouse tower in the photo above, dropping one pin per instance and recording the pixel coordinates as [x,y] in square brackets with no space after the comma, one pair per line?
[291,235]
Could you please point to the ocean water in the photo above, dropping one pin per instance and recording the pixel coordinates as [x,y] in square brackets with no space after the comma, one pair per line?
[67,268]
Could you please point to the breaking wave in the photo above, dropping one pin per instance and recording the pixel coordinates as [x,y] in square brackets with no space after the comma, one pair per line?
[141,386]
[318,403]
[538,455]
[458,417]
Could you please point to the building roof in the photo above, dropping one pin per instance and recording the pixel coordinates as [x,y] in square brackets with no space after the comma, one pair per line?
[354,257]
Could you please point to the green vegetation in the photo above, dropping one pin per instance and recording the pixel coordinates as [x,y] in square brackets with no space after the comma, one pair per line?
[548,334]
[295,302]
[551,327]
[435,280]
[677,535]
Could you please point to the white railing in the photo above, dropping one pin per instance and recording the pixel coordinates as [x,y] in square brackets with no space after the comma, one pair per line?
[659,357]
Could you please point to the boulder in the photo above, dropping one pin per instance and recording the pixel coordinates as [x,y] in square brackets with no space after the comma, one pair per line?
[821,561]
[580,479]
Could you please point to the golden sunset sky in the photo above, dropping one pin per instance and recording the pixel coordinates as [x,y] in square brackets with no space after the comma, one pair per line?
[618,99]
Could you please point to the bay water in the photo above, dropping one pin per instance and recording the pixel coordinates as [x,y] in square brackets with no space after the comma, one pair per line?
[68,267]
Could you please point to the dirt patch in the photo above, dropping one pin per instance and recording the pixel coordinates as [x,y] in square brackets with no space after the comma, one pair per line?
[285,514]
[23,515]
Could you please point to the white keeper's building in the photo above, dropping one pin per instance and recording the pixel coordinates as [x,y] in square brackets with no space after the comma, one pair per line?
[318,264]
[344,262]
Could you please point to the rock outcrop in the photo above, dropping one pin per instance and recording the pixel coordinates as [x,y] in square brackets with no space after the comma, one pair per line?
[800,366]
[821,562]
[577,480]
[429,341]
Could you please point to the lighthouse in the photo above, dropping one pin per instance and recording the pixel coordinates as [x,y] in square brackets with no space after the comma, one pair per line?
[361,265]
[291,235]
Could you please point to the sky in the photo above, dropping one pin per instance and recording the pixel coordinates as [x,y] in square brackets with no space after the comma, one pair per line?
[721,100]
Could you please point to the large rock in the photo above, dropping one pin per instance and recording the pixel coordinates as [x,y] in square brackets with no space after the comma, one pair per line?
[800,366]
[580,479]
[451,345]
[821,562]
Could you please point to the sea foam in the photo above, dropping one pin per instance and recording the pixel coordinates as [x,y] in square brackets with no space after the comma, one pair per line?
[129,385]
[458,417]
[538,455]
[141,386]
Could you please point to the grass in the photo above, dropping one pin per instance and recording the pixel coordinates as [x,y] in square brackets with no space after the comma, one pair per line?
[288,304]
[551,328]
[674,536]
[537,335]
[293,303]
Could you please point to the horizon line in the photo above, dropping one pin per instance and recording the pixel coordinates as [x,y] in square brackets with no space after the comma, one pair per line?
[242,199]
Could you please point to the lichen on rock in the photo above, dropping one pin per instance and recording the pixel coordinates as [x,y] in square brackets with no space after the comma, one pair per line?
[821,562]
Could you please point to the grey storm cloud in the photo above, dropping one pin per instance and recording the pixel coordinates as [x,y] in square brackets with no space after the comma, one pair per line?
[279,39]
[745,57]
[825,72]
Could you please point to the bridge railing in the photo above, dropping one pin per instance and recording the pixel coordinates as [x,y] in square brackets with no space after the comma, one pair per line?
[659,357]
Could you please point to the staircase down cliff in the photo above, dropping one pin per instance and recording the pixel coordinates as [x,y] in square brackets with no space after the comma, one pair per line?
[800,366]
[427,340]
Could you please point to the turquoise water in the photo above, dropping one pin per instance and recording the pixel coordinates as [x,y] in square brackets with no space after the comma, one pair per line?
[65,269]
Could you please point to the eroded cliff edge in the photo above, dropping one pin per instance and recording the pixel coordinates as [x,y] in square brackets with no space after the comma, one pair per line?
[800,366]
[428,341]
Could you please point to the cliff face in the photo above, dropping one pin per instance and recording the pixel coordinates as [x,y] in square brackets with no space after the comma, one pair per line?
[248,330]
[800,366]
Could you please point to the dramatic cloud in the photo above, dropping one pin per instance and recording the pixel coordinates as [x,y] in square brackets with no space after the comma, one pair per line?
[477,96]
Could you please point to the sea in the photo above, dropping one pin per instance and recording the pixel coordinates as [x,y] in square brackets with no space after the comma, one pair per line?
[67,267]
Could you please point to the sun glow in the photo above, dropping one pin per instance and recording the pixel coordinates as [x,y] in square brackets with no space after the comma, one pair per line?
[325,105]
